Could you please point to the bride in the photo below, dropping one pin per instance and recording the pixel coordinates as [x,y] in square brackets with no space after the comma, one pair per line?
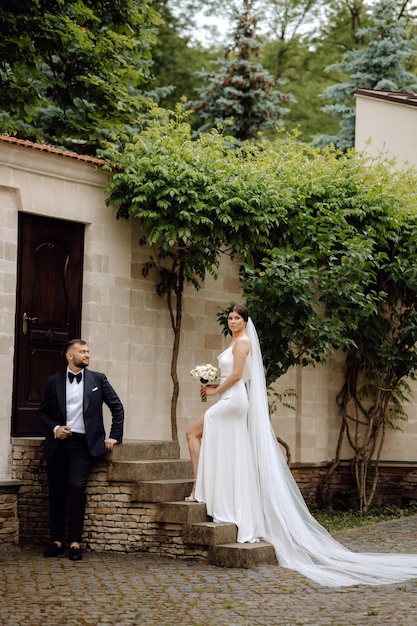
[243,478]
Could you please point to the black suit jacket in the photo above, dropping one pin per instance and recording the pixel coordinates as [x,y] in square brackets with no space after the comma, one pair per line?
[97,389]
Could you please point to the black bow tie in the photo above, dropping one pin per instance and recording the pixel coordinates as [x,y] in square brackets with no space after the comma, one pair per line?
[77,377]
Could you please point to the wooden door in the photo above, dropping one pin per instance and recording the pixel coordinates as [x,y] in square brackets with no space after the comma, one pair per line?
[48,309]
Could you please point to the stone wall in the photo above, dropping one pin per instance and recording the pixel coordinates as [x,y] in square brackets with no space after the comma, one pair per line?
[397,484]
[32,497]
[116,523]
[9,519]
[112,523]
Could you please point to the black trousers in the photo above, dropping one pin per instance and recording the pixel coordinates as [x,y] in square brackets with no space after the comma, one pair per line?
[68,471]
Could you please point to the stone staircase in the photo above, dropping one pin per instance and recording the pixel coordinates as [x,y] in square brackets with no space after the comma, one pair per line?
[158,475]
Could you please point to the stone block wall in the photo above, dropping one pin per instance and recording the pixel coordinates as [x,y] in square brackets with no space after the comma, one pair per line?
[112,522]
[32,498]
[9,519]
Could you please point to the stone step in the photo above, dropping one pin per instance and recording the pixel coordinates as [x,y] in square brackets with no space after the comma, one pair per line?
[129,471]
[247,555]
[181,512]
[209,533]
[146,450]
[161,490]
[159,475]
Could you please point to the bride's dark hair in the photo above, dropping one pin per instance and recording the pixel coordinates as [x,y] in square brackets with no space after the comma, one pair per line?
[240,310]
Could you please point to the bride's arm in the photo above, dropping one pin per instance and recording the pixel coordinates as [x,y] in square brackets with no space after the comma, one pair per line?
[240,353]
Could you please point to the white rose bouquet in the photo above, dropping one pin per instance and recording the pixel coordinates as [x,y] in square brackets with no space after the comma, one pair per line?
[205,374]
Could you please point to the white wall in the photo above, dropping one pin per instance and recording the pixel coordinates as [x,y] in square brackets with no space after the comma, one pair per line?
[387,127]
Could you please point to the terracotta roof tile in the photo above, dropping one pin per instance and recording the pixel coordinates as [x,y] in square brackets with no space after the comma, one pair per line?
[51,150]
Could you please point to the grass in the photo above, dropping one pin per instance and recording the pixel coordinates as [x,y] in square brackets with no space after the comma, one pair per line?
[334,520]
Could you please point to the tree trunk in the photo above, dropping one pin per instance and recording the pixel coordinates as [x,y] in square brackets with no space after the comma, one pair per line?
[176,320]
[364,428]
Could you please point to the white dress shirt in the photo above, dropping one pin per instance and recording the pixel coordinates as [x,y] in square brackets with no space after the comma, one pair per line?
[75,399]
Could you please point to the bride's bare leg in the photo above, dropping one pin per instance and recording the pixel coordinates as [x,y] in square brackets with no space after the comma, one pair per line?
[194,434]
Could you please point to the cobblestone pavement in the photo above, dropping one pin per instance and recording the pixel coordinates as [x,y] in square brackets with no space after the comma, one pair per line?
[133,589]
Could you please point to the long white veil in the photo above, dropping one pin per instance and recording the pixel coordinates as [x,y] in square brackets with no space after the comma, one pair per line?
[300,542]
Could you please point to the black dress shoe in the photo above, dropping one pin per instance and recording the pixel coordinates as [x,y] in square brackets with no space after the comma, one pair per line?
[75,554]
[53,550]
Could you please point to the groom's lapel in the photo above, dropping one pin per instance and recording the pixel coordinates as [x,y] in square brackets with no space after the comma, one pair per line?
[89,383]
[61,393]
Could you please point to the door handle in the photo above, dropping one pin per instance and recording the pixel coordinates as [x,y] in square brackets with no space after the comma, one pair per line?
[27,319]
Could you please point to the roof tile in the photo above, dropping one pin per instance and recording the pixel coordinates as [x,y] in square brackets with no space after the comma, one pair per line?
[44,148]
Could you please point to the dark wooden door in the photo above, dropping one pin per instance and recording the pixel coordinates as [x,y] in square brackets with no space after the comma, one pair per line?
[48,309]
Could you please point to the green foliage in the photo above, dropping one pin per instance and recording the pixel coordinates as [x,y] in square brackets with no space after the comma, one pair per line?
[300,39]
[242,91]
[340,274]
[380,64]
[195,200]
[376,388]
[313,282]
[175,59]
[335,521]
[310,303]
[70,71]
[303,38]
[316,229]
[301,69]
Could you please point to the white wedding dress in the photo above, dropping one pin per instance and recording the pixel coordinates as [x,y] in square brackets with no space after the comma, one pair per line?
[243,478]
[226,474]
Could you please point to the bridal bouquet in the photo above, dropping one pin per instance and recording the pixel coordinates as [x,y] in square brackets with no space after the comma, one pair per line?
[205,374]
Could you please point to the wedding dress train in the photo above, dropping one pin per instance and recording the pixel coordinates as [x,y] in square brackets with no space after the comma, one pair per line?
[243,478]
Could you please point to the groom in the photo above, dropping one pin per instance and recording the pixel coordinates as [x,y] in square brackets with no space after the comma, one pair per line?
[71,412]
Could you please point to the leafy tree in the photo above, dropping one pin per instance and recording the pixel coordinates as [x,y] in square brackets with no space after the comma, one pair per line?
[381,361]
[299,40]
[307,287]
[195,200]
[302,70]
[290,26]
[70,70]
[341,275]
[380,64]
[299,50]
[175,58]
[242,93]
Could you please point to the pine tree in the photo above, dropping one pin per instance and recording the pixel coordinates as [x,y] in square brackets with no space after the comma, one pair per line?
[242,92]
[381,64]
